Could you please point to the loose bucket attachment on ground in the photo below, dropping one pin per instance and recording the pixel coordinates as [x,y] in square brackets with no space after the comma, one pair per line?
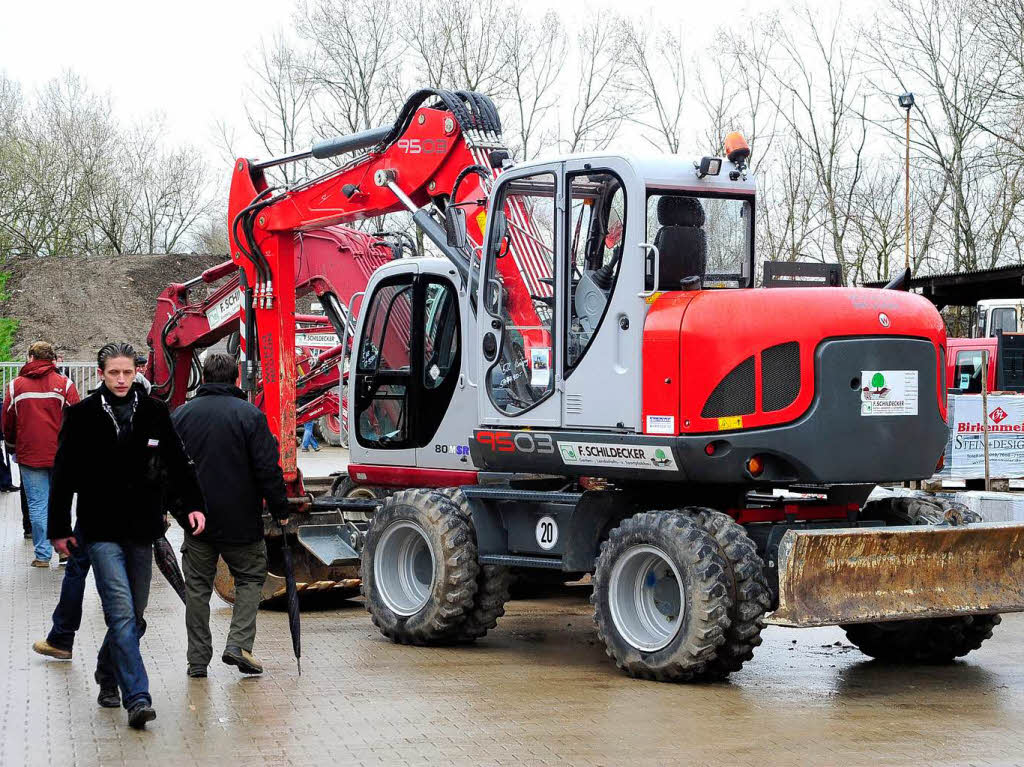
[861,575]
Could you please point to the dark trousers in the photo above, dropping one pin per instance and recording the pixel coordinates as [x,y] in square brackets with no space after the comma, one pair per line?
[67,616]
[26,522]
[248,566]
[123,573]
[5,470]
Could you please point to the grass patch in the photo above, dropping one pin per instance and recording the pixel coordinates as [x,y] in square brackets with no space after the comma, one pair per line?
[8,327]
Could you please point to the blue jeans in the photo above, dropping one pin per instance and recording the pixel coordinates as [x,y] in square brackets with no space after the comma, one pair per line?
[308,439]
[37,489]
[123,573]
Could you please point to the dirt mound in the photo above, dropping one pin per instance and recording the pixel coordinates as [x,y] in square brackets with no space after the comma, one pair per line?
[79,304]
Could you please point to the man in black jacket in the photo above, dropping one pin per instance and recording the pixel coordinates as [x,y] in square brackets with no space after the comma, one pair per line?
[237,459]
[118,450]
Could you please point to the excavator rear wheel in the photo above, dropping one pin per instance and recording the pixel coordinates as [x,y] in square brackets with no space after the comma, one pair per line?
[924,640]
[748,589]
[661,597]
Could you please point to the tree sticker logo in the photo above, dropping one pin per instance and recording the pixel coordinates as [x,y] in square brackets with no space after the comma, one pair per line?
[877,388]
[998,415]
[660,459]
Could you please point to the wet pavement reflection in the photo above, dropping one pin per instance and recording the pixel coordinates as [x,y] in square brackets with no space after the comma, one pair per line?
[538,690]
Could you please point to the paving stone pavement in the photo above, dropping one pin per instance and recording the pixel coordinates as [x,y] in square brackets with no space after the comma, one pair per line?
[537,691]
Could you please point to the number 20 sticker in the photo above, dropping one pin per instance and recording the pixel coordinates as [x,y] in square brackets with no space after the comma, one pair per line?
[547,533]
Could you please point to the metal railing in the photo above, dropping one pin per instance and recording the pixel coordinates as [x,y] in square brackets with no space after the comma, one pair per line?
[84,374]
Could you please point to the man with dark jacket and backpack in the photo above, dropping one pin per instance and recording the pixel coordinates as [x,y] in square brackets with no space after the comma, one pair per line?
[238,462]
[33,407]
[118,450]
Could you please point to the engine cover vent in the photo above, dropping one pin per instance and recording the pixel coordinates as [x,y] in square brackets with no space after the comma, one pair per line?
[734,394]
[780,376]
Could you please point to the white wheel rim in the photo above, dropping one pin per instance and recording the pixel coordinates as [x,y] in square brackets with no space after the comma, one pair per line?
[403,568]
[645,597]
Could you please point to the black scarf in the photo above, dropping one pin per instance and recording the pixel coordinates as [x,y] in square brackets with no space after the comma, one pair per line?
[121,409]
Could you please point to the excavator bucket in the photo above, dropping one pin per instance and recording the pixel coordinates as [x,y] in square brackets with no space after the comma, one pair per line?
[862,575]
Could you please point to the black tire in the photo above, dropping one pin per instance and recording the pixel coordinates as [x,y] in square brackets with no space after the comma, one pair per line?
[924,640]
[748,588]
[492,583]
[344,487]
[919,509]
[927,640]
[703,584]
[453,582]
[329,435]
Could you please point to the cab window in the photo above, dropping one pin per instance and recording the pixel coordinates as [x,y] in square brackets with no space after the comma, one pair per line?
[519,295]
[597,220]
[1004,319]
[967,372]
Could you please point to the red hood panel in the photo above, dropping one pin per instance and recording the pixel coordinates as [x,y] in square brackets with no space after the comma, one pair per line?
[37,368]
[715,331]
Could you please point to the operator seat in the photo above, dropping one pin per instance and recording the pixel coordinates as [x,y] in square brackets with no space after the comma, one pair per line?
[681,242]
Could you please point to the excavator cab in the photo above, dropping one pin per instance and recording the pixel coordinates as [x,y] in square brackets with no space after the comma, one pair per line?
[586,246]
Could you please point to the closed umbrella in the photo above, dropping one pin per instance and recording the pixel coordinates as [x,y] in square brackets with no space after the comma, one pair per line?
[167,562]
[293,600]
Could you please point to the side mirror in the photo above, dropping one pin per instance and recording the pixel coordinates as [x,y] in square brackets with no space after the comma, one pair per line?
[455,227]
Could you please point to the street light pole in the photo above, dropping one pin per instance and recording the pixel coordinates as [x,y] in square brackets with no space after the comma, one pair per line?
[907,102]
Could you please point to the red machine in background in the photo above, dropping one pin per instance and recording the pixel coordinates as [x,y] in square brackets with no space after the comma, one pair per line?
[332,262]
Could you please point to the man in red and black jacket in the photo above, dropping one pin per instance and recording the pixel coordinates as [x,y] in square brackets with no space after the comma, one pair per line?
[33,407]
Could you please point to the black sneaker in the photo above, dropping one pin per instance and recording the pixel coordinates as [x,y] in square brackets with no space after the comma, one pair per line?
[110,695]
[196,671]
[244,659]
[139,715]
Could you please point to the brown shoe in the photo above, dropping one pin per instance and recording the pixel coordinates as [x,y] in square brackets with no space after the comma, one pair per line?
[45,648]
[243,659]
[40,563]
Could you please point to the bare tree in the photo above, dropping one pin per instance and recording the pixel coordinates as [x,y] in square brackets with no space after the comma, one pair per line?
[817,93]
[354,62]
[658,68]
[940,49]
[278,107]
[600,102]
[737,90]
[533,52]
[788,220]
[452,44]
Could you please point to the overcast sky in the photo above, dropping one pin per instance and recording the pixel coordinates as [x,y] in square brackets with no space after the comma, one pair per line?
[187,58]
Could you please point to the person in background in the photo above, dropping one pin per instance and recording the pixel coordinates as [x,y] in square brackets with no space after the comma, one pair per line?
[33,407]
[6,482]
[309,439]
[238,461]
[140,377]
[118,451]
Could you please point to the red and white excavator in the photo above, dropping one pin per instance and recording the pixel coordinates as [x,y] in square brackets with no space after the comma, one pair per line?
[586,380]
